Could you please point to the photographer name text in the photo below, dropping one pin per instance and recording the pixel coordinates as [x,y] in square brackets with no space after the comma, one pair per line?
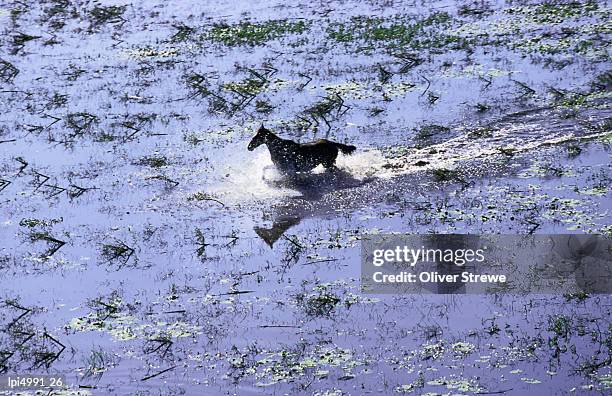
[435,277]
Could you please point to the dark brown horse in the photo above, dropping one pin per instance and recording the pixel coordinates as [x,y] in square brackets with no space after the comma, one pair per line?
[292,157]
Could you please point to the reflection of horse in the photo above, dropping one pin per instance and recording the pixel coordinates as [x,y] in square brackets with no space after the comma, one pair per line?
[312,186]
[291,157]
[279,227]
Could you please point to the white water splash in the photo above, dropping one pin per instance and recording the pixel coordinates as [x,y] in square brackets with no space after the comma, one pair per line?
[248,176]
[364,164]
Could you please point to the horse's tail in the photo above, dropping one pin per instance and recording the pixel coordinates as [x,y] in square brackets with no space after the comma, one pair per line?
[345,148]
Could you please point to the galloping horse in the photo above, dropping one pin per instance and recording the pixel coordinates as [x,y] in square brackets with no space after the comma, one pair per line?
[291,157]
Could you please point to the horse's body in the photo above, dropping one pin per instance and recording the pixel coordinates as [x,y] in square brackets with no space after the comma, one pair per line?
[292,157]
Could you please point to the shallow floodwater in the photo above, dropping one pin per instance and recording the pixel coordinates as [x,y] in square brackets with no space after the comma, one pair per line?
[144,250]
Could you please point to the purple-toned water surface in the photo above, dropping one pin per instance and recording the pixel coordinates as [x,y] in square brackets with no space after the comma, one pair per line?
[144,250]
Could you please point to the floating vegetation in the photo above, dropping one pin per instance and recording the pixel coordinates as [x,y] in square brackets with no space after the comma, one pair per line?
[151,52]
[462,385]
[328,109]
[232,97]
[124,327]
[320,304]
[31,223]
[154,161]
[263,106]
[250,86]
[355,90]
[255,33]
[481,132]
[545,169]
[463,348]
[398,32]
[432,350]
[288,365]
[20,40]
[554,13]
[324,299]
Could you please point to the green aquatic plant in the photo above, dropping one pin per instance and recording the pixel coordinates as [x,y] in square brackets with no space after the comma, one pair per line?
[154,161]
[248,86]
[54,243]
[481,132]
[432,351]
[398,31]
[289,365]
[100,15]
[460,384]
[118,251]
[80,122]
[560,325]
[553,13]
[578,296]
[98,362]
[263,106]
[255,33]
[463,348]
[20,40]
[532,381]
[7,71]
[104,137]
[573,150]
[31,223]
[183,33]
[319,305]
[148,51]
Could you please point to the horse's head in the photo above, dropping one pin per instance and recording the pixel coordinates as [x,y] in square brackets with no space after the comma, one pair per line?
[260,138]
